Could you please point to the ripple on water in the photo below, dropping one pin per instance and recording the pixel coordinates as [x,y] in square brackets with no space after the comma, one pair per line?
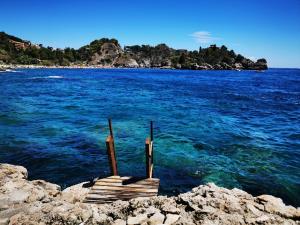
[235,129]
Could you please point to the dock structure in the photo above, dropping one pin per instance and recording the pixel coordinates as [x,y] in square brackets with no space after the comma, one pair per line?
[115,187]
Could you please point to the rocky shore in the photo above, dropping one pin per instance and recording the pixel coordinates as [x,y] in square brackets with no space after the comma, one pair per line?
[24,202]
[108,53]
[9,67]
[223,66]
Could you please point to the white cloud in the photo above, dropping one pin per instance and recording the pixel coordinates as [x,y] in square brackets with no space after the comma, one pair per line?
[204,37]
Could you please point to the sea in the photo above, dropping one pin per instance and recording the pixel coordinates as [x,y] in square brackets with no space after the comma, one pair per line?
[237,129]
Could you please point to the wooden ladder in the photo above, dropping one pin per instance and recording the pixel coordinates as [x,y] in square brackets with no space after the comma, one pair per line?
[114,188]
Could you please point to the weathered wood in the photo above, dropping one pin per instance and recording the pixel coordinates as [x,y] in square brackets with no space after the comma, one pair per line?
[151,149]
[124,188]
[149,153]
[149,164]
[110,128]
[112,188]
[151,130]
[147,149]
[111,155]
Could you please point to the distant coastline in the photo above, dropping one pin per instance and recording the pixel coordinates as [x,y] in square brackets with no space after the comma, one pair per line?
[108,53]
[9,67]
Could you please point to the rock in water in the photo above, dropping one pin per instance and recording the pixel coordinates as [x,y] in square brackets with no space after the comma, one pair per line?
[24,202]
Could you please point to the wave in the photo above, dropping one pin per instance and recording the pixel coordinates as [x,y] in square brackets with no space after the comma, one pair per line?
[48,77]
[9,71]
[55,77]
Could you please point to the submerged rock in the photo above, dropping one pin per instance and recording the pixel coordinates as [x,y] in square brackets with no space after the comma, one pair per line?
[24,202]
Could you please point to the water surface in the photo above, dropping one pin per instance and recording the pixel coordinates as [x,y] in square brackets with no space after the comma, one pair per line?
[237,129]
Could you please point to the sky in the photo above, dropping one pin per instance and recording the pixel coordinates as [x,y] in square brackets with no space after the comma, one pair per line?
[256,29]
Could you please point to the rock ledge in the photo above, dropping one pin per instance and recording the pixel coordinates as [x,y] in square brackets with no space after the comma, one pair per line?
[39,202]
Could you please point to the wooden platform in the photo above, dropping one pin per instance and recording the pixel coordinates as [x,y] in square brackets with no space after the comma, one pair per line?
[114,188]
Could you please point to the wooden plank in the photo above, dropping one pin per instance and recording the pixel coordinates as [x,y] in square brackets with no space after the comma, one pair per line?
[128,190]
[120,190]
[103,191]
[124,188]
[134,194]
[115,178]
[111,188]
[126,185]
[149,180]
[137,185]
[112,196]
[120,195]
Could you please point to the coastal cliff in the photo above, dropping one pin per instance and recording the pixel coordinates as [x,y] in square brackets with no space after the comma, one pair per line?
[40,202]
[106,53]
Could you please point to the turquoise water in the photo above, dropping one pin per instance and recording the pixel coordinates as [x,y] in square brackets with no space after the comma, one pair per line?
[237,129]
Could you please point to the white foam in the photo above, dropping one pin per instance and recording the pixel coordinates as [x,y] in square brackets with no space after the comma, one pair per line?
[55,77]
[9,70]
[48,77]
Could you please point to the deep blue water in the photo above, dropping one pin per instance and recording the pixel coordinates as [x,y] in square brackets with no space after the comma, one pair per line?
[237,129]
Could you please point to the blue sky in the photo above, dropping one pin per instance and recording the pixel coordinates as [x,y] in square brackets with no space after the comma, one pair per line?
[256,28]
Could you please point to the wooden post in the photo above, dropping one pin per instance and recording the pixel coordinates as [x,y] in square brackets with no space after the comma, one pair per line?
[110,146]
[110,128]
[151,130]
[151,148]
[149,153]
